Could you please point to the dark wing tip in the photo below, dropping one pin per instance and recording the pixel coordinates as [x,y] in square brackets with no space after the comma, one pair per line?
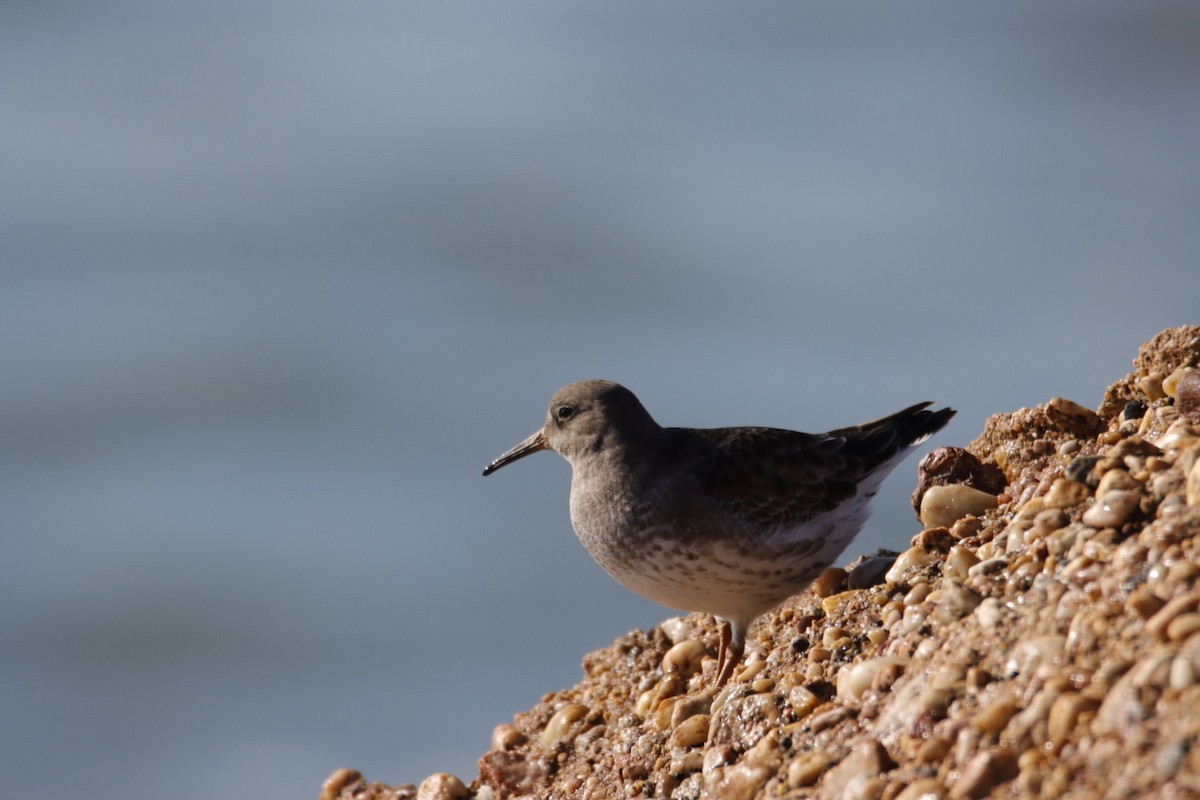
[929,422]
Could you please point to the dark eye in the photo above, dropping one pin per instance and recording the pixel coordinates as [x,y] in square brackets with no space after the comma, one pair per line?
[564,413]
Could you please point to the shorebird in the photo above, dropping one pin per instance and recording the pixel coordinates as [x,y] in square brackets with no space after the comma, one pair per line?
[728,521]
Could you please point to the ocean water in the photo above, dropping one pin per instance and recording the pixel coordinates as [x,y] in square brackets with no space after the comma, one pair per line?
[278,279]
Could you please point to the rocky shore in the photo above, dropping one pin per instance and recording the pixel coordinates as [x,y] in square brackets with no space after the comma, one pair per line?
[1039,639]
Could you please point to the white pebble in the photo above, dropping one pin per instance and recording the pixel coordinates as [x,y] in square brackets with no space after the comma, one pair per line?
[684,658]
[958,561]
[442,786]
[990,613]
[339,780]
[691,732]
[942,506]
[1112,510]
[559,726]
[677,629]
[911,559]
[854,680]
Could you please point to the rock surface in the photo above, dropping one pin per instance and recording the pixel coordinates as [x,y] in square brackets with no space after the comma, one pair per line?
[1048,647]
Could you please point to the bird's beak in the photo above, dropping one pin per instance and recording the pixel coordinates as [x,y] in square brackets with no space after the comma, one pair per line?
[530,445]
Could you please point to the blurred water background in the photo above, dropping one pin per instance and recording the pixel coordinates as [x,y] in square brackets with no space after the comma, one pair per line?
[277,279]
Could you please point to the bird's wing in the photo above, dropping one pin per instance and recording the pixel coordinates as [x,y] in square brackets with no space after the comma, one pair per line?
[773,477]
[777,477]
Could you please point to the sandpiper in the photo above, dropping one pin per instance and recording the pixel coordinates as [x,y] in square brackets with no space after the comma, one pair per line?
[728,521]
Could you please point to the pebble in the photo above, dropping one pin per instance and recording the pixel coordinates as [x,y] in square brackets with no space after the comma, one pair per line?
[958,561]
[1166,483]
[950,465]
[805,770]
[849,779]
[942,506]
[738,781]
[339,780]
[718,756]
[558,729]
[1134,409]
[955,603]
[1153,671]
[912,559]
[832,635]
[691,732]
[1065,493]
[923,789]
[1184,571]
[870,572]
[664,713]
[914,617]
[1083,470]
[1031,654]
[917,594]
[990,613]
[692,705]
[1144,602]
[765,751]
[684,764]
[829,582]
[1112,510]
[1170,384]
[506,736]
[745,719]
[936,699]
[925,649]
[677,629]
[1065,714]
[755,665]
[1116,479]
[1178,434]
[831,604]
[935,540]
[853,681]
[984,569]
[1158,624]
[1171,757]
[993,718]
[1183,627]
[820,653]
[1045,523]
[1151,386]
[827,719]
[1182,674]
[1073,418]
[933,750]
[1193,486]
[684,658]
[803,701]
[986,770]
[978,677]
[1187,395]
[442,786]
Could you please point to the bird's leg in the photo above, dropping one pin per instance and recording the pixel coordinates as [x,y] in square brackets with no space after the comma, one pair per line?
[723,646]
[733,644]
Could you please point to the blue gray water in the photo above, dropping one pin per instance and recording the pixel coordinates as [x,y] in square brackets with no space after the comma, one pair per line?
[279,278]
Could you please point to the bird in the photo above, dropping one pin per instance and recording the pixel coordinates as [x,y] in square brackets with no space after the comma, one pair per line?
[725,521]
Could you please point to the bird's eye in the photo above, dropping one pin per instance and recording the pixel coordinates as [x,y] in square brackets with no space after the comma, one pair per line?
[564,413]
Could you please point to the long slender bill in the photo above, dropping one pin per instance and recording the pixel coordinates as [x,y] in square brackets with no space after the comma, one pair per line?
[530,445]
